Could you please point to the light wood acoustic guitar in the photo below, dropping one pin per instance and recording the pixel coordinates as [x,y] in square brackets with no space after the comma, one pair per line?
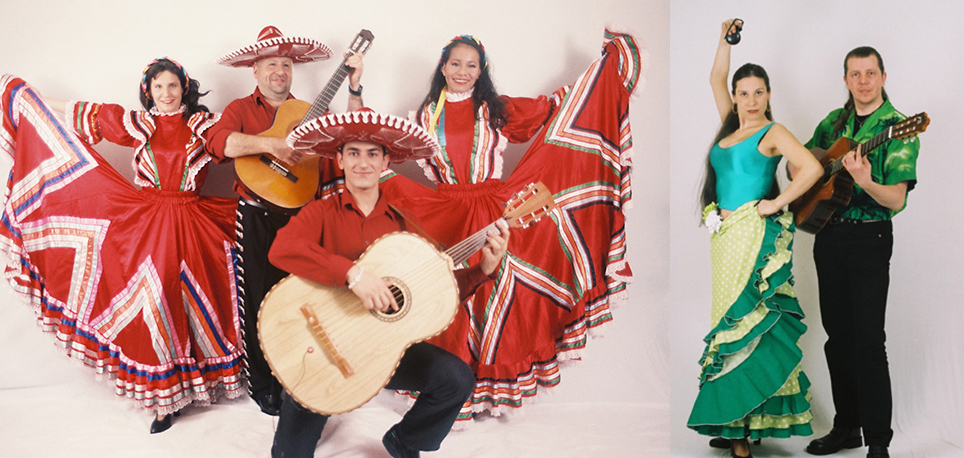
[331,353]
[288,187]
[815,207]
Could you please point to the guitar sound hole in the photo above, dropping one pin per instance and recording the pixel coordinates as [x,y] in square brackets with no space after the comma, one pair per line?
[401,295]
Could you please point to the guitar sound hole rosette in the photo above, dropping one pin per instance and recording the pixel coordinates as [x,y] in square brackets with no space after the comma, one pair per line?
[402,297]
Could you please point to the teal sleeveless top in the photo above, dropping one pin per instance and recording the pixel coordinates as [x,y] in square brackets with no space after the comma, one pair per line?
[742,173]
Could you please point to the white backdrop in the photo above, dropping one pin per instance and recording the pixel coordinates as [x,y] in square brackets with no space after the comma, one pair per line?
[614,403]
[802,46]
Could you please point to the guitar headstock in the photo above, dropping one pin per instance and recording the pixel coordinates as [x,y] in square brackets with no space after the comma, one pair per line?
[529,205]
[362,42]
[910,126]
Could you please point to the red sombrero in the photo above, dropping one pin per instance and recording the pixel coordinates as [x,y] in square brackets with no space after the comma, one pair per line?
[271,43]
[402,139]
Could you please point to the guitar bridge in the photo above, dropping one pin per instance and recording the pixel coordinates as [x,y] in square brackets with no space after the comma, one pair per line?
[278,168]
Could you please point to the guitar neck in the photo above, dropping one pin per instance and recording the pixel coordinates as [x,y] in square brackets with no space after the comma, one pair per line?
[323,100]
[836,165]
[461,251]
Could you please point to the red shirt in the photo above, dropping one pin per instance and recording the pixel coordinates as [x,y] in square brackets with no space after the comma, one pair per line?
[250,115]
[324,239]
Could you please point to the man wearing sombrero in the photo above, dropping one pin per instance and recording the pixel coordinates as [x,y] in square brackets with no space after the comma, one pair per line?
[321,244]
[272,59]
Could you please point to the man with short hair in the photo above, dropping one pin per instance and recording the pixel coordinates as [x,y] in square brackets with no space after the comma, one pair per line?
[272,59]
[323,241]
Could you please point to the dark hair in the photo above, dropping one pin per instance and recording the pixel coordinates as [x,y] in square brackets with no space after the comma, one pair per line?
[341,148]
[730,125]
[864,51]
[484,87]
[191,95]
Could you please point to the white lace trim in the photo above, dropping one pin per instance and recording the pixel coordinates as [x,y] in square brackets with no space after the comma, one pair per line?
[155,112]
[458,96]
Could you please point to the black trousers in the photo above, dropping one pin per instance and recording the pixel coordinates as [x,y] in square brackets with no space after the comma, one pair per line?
[257,228]
[443,381]
[853,273]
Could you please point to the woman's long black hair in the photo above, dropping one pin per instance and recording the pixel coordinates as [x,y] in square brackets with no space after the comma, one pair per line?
[191,94]
[849,107]
[730,125]
[484,87]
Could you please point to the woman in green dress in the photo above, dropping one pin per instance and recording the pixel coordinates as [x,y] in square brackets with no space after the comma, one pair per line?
[751,384]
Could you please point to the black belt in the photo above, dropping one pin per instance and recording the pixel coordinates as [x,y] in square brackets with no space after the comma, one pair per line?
[839,220]
[255,204]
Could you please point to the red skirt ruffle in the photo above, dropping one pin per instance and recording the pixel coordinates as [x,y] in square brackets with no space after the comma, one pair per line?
[138,284]
[562,274]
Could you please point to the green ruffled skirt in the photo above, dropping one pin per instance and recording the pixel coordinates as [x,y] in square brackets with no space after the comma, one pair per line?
[751,383]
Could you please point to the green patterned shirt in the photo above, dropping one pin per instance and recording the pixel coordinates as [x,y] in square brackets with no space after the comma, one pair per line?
[891,163]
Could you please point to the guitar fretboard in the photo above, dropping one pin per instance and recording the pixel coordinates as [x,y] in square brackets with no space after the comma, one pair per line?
[835,166]
[323,100]
[359,44]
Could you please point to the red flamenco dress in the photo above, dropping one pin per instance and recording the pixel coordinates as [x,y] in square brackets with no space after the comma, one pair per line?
[138,284]
[562,274]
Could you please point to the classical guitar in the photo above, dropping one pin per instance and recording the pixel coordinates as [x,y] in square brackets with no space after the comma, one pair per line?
[331,353]
[287,187]
[814,208]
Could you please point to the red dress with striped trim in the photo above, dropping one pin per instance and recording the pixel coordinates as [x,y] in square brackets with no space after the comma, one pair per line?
[562,274]
[138,284]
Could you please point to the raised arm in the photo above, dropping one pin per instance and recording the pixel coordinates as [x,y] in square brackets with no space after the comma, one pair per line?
[720,71]
[357,66]
[779,140]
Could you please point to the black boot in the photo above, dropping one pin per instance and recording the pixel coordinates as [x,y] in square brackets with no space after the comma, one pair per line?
[269,402]
[395,447]
[836,440]
[878,451]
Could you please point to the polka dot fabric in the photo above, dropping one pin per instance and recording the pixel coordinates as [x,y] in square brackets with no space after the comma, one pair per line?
[751,384]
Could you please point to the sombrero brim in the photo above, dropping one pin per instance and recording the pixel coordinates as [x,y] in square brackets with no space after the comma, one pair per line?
[300,50]
[403,140]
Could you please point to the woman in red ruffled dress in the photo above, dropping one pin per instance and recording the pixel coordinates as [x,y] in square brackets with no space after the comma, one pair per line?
[137,283]
[561,274]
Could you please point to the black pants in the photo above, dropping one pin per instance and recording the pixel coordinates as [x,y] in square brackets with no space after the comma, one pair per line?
[853,272]
[443,380]
[257,228]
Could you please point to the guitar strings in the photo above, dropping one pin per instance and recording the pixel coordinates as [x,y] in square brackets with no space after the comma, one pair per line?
[458,253]
[464,249]
[328,92]
[835,166]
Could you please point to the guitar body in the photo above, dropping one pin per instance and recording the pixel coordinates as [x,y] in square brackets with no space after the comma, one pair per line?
[276,184]
[370,342]
[814,208]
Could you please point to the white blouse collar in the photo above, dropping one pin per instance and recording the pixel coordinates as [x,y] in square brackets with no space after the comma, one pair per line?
[458,96]
[155,112]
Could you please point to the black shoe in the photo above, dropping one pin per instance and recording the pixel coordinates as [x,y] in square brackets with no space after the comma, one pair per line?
[395,447]
[161,425]
[269,402]
[836,440]
[721,442]
[878,451]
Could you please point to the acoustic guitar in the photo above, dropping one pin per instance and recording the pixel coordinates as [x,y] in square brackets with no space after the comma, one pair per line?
[287,187]
[832,191]
[331,353]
